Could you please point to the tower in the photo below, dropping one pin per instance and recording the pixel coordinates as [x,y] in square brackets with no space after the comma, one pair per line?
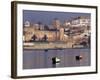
[61,34]
[56,23]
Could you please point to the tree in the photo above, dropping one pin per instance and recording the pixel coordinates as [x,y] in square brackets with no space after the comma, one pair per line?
[34,37]
[45,37]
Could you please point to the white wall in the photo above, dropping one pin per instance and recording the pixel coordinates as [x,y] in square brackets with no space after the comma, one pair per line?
[5,40]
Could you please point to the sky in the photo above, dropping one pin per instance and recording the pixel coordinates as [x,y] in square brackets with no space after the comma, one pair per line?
[46,17]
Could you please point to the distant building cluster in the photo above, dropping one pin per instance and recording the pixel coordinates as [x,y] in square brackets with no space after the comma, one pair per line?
[57,31]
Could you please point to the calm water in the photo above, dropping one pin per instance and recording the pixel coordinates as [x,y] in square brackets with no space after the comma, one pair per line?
[43,58]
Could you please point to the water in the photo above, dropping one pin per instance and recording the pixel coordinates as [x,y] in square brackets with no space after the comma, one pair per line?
[33,59]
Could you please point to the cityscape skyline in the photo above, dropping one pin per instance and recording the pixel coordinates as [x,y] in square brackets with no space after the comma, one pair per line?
[46,17]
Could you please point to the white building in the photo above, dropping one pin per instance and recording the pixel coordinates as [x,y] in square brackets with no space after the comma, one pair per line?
[67,23]
[27,24]
[81,21]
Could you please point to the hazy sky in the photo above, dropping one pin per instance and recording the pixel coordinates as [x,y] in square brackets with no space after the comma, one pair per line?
[46,17]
